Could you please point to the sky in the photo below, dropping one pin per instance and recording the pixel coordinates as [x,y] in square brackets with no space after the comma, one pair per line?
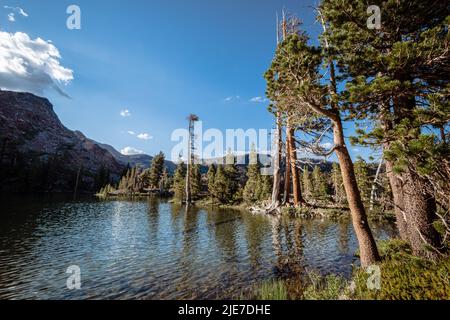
[136,69]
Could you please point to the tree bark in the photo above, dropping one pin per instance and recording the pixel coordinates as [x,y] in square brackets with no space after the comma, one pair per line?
[420,206]
[399,202]
[276,167]
[296,188]
[395,182]
[367,245]
[287,172]
[419,202]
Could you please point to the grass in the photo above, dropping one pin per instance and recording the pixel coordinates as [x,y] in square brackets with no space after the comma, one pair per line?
[403,277]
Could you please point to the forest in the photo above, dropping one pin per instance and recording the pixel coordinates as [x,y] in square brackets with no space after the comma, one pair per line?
[392,82]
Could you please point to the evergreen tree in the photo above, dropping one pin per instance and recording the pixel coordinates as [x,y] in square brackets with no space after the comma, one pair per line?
[221,190]
[296,70]
[398,79]
[320,188]
[265,187]
[156,171]
[363,179]
[338,184]
[253,187]
[166,181]
[306,182]
[211,178]
[196,182]
[179,178]
[232,177]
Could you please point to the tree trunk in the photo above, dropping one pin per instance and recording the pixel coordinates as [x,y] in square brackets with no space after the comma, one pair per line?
[298,198]
[276,167]
[188,175]
[419,202]
[420,206]
[367,246]
[394,181]
[373,192]
[287,172]
[399,201]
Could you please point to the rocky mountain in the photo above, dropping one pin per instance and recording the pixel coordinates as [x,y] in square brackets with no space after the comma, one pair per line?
[38,153]
[140,160]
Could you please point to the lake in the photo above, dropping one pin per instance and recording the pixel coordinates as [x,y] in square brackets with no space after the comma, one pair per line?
[152,249]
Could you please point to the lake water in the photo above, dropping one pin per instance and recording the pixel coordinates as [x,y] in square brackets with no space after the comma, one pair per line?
[153,249]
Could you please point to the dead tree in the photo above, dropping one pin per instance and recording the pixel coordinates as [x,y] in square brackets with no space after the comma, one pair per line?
[191,156]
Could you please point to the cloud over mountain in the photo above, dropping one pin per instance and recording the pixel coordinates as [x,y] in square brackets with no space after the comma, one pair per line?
[31,65]
[130,151]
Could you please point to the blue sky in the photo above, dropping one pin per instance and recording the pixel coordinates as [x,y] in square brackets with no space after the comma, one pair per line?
[161,60]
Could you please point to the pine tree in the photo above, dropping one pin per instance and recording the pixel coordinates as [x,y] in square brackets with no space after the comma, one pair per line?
[156,171]
[196,182]
[221,190]
[363,179]
[252,190]
[265,187]
[211,178]
[179,178]
[296,68]
[338,185]
[232,176]
[397,79]
[306,182]
[166,181]
[320,188]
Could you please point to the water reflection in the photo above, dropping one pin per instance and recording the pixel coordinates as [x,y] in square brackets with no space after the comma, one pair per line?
[157,250]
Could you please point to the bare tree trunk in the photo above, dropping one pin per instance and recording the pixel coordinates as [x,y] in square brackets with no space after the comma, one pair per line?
[367,246]
[77,182]
[298,198]
[374,185]
[276,167]
[287,172]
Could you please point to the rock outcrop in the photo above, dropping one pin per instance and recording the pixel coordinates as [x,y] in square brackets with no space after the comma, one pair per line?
[35,146]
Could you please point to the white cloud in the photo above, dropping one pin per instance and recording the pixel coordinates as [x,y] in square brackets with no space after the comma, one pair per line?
[327,145]
[130,151]
[18,10]
[11,17]
[144,136]
[259,100]
[31,65]
[132,133]
[125,113]
[232,98]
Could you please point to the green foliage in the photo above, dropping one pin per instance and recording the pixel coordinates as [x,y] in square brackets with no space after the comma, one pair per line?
[156,171]
[196,182]
[363,179]
[257,187]
[131,182]
[179,182]
[338,184]
[307,185]
[211,175]
[331,287]
[273,290]
[320,186]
